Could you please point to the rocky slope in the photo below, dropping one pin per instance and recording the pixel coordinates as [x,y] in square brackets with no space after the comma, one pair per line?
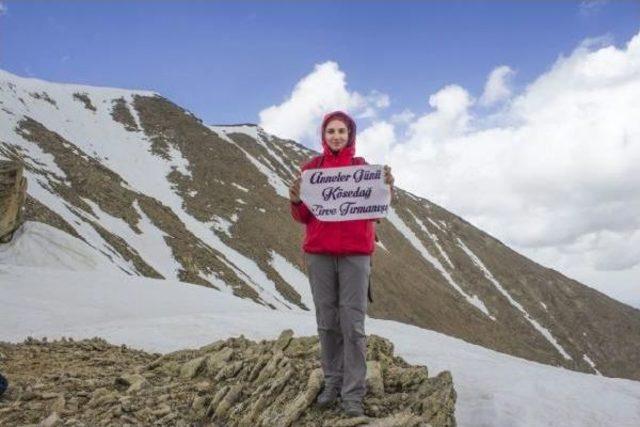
[235,382]
[150,188]
[13,191]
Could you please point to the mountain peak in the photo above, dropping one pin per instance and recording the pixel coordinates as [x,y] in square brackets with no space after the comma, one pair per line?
[152,191]
[30,84]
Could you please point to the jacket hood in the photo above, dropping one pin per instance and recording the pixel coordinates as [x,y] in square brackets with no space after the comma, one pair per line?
[350,149]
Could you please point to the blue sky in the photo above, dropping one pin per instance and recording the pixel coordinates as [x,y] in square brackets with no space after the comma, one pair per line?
[226,61]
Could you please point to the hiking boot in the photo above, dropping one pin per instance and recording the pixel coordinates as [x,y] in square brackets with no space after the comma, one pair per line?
[327,397]
[353,408]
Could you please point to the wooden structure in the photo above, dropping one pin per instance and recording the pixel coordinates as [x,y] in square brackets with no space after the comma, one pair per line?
[13,193]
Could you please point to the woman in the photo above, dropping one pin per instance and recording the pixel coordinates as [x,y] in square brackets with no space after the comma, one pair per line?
[338,256]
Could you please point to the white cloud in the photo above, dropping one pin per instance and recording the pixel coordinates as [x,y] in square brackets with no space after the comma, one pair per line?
[406,116]
[375,142]
[497,88]
[451,114]
[321,91]
[591,7]
[3,8]
[564,165]
[370,104]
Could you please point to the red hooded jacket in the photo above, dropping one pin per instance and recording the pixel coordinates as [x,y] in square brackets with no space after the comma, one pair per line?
[343,237]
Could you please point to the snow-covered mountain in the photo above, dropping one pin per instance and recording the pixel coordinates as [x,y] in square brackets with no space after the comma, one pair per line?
[135,185]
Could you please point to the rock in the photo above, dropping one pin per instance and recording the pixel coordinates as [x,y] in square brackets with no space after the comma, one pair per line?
[229,371]
[59,404]
[27,395]
[133,382]
[191,368]
[235,382]
[283,340]
[375,384]
[168,419]
[216,400]
[402,419]
[227,401]
[303,347]
[215,346]
[218,360]
[349,422]
[13,189]
[101,397]
[293,410]
[48,396]
[51,421]
[35,406]
[199,406]
[203,386]
[161,410]
[270,368]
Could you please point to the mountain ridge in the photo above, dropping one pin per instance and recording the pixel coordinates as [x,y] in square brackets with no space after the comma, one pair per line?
[158,193]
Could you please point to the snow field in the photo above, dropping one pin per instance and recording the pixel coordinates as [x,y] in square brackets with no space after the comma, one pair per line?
[494,389]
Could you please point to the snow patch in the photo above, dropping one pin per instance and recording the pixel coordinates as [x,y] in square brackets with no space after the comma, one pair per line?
[272,177]
[542,330]
[433,238]
[590,362]
[249,130]
[240,187]
[294,277]
[150,245]
[417,244]
[222,225]
[435,224]
[37,244]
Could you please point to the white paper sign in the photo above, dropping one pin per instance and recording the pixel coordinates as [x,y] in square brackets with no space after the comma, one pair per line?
[346,193]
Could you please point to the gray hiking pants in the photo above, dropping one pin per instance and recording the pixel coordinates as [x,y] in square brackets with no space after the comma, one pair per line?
[339,287]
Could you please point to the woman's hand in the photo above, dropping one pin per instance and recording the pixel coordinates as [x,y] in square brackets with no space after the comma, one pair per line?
[294,189]
[388,178]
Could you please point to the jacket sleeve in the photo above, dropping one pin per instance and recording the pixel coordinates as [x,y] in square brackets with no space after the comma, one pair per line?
[300,212]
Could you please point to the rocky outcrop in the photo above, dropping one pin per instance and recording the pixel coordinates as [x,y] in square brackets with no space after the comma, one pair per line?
[13,190]
[233,382]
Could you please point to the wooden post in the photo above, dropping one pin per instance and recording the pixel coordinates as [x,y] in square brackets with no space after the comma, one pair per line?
[13,194]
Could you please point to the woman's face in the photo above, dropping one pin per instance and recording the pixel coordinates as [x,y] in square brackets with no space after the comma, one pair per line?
[336,135]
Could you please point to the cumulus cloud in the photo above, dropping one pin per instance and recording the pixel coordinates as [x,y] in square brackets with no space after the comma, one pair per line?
[368,106]
[404,117]
[553,174]
[451,115]
[497,88]
[562,166]
[3,8]
[374,143]
[323,90]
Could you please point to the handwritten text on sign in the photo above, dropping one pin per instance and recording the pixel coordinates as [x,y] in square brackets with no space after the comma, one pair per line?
[346,193]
